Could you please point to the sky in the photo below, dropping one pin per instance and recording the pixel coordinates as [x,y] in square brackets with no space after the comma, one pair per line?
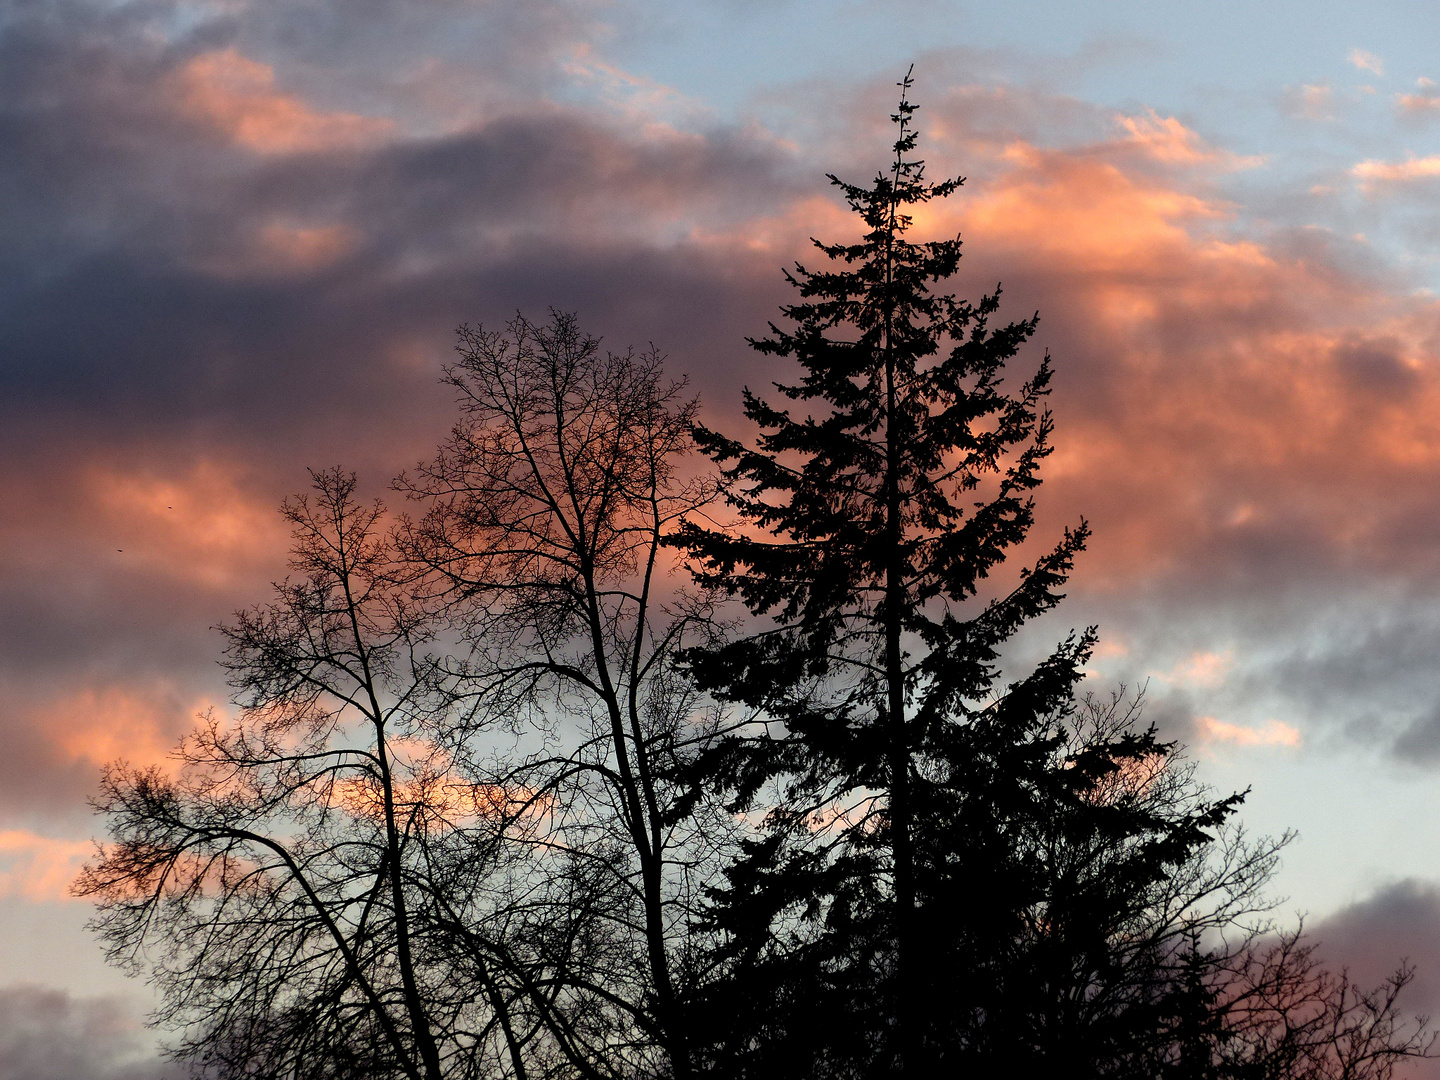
[236,238]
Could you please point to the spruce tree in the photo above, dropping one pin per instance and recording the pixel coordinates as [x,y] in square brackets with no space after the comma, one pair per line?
[873,510]
[952,874]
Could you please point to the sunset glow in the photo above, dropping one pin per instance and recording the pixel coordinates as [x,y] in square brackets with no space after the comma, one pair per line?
[239,238]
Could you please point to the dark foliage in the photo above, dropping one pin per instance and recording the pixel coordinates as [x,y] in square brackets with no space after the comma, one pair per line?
[952,873]
[870,523]
[546,514]
[501,800]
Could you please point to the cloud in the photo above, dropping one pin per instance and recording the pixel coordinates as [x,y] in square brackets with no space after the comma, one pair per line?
[1372,173]
[210,281]
[217,269]
[1203,669]
[102,724]
[188,348]
[634,97]
[1310,101]
[282,248]
[237,95]
[198,523]
[1424,101]
[1246,418]
[58,737]
[1397,923]
[1366,61]
[49,1035]
[1169,141]
[1274,733]
[38,868]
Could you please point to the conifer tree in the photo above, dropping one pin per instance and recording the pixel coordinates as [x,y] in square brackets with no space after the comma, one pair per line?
[952,874]
[875,509]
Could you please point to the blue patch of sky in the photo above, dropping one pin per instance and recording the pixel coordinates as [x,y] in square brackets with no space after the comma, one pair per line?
[1275,80]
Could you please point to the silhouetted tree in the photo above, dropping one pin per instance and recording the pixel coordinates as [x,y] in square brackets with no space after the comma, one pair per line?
[437,840]
[502,800]
[951,874]
[546,514]
[273,874]
[868,527]
[1128,935]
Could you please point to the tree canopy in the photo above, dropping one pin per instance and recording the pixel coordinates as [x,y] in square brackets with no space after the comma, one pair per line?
[503,798]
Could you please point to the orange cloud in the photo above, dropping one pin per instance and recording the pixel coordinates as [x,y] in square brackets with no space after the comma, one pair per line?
[198,525]
[1218,390]
[443,801]
[1367,61]
[238,97]
[1243,386]
[1373,172]
[1109,218]
[39,868]
[1274,733]
[101,724]
[1169,141]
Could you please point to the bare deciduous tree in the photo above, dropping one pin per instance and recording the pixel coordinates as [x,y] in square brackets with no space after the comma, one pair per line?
[275,869]
[441,838]
[460,826]
[546,517]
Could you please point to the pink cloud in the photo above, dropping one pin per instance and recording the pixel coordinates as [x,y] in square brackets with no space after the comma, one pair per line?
[282,248]
[39,868]
[194,523]
[237,95]
[1272,733]
[1366,61]
[1169,141]
[1423,100]
[1204,669]
[1247,386]
[1372,173]
[106,723]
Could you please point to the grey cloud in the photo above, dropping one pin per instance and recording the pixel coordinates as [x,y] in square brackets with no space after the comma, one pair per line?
[1350,665]
[50,1035]
[1376,367]
[1399,922]
[125,279]
[132,335]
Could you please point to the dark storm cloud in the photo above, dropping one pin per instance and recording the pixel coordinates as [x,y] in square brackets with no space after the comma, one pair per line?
[150,263]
